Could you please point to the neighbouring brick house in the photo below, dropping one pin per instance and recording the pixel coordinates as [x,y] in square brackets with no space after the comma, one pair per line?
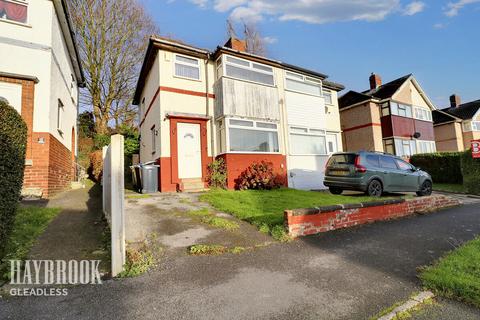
[456,126]
[40,73]
[394,117]
[197,105]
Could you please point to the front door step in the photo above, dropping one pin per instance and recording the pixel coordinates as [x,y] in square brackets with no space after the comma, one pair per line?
[192,185]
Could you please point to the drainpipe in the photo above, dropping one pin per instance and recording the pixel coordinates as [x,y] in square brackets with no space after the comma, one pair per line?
[207,105]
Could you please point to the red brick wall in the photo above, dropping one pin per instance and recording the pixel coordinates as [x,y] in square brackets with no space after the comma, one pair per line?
[52,165]
[237,163]
[303,222]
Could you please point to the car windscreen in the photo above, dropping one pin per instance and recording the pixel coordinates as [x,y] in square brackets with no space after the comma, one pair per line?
[347,158]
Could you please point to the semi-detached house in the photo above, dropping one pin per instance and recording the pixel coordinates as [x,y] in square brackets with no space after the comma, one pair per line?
[196,105]
[40,74]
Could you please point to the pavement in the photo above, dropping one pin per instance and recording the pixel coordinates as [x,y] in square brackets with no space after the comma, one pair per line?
[345,274]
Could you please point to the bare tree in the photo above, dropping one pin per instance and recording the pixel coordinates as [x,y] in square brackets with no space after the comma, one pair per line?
[112,38]
[254,41]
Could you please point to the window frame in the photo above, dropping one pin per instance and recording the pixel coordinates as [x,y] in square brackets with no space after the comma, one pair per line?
[25,3]
[153,132]
[227,126]
[427,111]
[60,111]
[331,97]
[225,63]
[308,132]
[475,126]
[289,75]
[188,65]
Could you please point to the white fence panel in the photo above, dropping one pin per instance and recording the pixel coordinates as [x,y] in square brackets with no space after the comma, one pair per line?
[113,199]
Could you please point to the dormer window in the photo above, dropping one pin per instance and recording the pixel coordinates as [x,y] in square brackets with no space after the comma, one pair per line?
[14,10]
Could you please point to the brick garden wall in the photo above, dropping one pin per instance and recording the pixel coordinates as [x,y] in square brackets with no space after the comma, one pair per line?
[303,222]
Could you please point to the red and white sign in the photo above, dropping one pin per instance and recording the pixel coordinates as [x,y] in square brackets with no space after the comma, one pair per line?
[476,149]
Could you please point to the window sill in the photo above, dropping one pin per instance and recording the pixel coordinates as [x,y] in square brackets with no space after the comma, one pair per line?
[185,78]
[26,25]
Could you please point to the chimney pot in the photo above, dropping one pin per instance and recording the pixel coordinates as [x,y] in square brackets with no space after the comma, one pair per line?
[455,101]
[375,81]
[236,44]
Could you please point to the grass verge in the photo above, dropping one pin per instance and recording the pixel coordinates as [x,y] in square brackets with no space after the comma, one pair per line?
[264,208]
[209,218]
[30,222]
[457,275]
[448,187]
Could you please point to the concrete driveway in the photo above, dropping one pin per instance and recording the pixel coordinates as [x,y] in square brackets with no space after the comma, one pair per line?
[346,274]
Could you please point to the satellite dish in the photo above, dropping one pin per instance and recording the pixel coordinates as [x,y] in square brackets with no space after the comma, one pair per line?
[417,135]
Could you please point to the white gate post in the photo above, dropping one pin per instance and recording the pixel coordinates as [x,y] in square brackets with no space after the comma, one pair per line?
[117,188]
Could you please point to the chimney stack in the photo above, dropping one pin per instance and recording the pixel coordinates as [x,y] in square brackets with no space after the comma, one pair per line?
[236,44]
[455,101]
[375,81]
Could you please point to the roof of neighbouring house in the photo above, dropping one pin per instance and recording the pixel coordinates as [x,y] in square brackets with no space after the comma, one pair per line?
[157,42]
[465,111]
[442,117]
[384,91]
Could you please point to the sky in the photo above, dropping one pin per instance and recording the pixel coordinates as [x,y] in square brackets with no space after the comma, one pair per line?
[436,40]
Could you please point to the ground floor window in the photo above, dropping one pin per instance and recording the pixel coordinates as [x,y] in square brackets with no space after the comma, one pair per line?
[252,136]
[406,147]
[307,141]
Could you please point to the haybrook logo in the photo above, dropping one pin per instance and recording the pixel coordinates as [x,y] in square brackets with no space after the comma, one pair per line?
[52,272]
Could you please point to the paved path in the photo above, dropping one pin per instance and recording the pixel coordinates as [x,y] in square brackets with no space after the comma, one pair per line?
[346,274]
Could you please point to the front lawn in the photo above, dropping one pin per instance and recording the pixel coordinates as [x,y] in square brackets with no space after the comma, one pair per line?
[457,275]
[264,208]
[30,222]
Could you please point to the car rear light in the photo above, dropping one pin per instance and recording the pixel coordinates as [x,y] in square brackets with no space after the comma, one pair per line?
[358,166]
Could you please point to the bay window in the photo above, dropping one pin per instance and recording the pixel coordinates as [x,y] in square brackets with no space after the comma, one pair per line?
[307,141]
[402,110]
[14,10]
[250,71]
[300,83]
[252,136]
[186,67]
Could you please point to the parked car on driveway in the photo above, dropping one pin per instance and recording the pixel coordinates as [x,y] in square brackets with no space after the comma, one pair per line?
[374,173]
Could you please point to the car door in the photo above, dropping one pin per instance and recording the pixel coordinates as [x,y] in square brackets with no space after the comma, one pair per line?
[392,176]
[409,176]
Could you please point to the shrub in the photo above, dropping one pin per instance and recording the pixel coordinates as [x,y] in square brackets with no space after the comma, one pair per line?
[471,172]
[100,141]
[13,141]
[259,176]
[217,174]
[96,165]
[444,167]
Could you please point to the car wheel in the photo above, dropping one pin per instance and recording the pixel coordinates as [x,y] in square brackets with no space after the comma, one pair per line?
[334,190]
[375,188]
[426,189]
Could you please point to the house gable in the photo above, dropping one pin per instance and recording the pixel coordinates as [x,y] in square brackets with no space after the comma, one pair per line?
[411,93]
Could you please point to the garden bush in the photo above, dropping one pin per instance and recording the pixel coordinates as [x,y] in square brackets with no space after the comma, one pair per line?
[259,176]
[96,165]
[13,141]
[444,167]
[217,174]
[470,172]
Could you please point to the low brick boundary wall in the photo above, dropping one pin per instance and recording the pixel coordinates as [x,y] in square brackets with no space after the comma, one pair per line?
[303,222]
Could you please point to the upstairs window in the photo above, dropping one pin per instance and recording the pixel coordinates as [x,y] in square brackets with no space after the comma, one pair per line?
[14,10]
[423,114]
[401,110]
[327,95]
[60,110]
[476,125]
[188,68]
[303,84]
[249,71]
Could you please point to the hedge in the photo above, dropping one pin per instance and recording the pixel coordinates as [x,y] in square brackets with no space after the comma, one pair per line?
[13,141]
[444,167]
[471,172]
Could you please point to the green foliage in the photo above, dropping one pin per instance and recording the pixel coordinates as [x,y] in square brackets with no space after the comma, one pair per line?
[217,174]
[131,144]
[471,173]
[100,141]
[457,275]
[207,249]
[265,208]
[30,222]
[221,223]
[86,125]
[140,259]
[444,167]
[13,141]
